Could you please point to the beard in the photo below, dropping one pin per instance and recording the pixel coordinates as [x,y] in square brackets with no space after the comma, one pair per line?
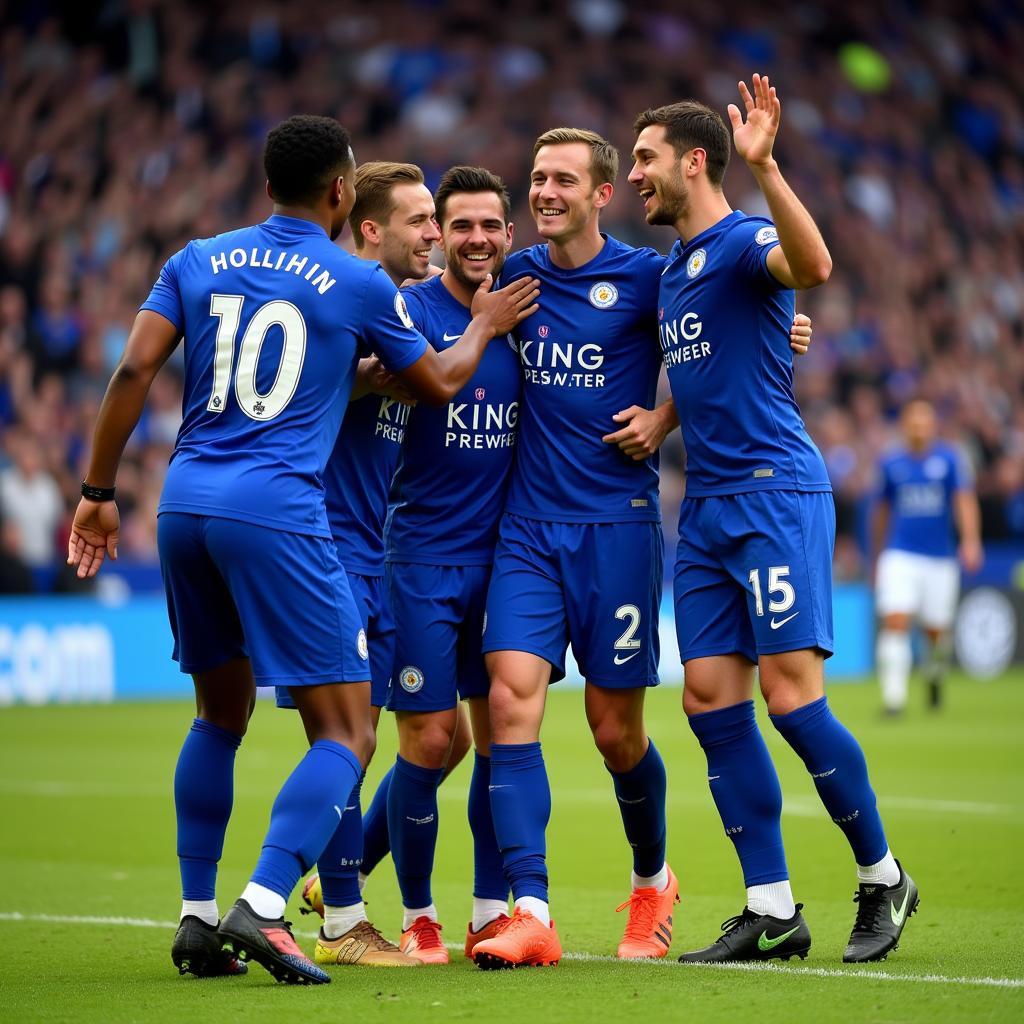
[455,265]
[673,202]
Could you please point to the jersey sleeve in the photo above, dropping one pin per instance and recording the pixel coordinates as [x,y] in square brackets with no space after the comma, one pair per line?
[416,306]
[387,328]
[165,297]
[886,489]
[758,239]
[963,475]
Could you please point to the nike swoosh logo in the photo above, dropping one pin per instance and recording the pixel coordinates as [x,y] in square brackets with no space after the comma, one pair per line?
[622,661]
[622,800]
[339,810]
[823,775]
[764,943]
[898,915]
[711,778]
[451,337]
[776,625]
[490,789]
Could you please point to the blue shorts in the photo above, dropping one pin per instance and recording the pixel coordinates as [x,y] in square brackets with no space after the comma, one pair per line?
[236,589]
[754,574]
[370,596]
[594,585]
[439,610]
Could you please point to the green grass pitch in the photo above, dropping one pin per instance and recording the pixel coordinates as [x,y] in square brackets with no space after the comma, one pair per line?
[88,832]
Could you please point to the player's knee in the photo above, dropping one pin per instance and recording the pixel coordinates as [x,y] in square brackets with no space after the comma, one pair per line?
[697,700]
[897,622]
[621,742]
[785,692]
[425,741]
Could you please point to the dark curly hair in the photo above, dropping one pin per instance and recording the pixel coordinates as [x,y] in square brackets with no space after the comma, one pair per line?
[302,155]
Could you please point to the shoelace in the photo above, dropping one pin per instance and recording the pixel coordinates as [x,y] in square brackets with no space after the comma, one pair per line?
[737,922]
[428,933]
[519,920]
[870,909]
[366,932]
[643,913]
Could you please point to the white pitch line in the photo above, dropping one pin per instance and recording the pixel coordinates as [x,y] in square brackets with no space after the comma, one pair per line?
[760,968]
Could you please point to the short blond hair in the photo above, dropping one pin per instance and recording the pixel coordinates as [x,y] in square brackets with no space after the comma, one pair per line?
[604,157]
[375,184]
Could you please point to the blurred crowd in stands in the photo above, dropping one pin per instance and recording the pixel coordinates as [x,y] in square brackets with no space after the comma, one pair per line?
[131,126]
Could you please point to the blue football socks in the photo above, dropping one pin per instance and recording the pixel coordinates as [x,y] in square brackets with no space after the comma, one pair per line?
[338,866]
[412,825]
[203,794]
[745,789]
[305,815]
[641,796]
[840,773]
[376,841]
[488,868]
[521,807]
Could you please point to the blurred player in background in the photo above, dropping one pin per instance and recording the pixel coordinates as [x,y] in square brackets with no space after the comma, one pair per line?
[757,525]
[926,498]
[447,500]
[274,316]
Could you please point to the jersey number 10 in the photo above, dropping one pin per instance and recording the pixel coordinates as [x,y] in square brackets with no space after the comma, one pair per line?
[228,310]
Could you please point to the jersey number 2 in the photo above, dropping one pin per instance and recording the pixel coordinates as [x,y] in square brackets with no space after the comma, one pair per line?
[228,310]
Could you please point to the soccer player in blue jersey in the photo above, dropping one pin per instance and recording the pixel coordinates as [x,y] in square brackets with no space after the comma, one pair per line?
[579,556]
[925,498]
[447,499]
[757,525]
[392,223]
[274,316]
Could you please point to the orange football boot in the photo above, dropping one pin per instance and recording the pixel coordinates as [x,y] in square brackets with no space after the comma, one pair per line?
[488,931]
[522,942]
[649,928]
[422,940]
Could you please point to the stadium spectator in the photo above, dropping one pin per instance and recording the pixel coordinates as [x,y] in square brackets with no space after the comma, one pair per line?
[128,132]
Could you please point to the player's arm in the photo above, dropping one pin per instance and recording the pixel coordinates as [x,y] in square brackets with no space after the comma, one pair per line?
[801,259]
[879,526]
[644,430]
[374,378]
[967,514]
[94,533]
[437,377]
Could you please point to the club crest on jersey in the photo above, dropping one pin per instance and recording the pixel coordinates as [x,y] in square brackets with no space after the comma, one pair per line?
[604,295]
[411,679]
[361,647]
[695,264]
[402,310]
[766,235]
[480,392]
[544,330]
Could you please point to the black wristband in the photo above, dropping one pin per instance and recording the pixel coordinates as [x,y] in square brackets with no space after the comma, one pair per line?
[97,493]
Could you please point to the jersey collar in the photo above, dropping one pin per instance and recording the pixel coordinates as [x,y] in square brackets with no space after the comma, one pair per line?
[297,225]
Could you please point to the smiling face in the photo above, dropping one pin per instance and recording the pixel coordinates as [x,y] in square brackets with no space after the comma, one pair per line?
[658,178]
[474,236]
[408,237]
[563,197]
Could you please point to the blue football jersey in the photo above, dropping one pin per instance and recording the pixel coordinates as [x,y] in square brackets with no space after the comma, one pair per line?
[449,489]
[724,324]
[358,478]
[589,352]
[919,487]
[273,317]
